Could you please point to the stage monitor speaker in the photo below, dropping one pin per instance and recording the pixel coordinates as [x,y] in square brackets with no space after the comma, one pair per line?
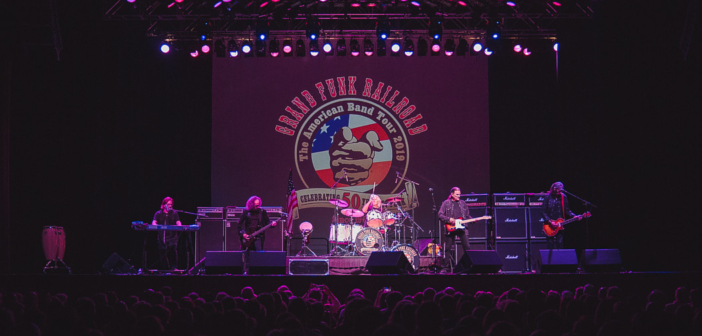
[479,261]
[308,266]
[117,265]
[224,262]
[536,223]
[601,260]
[513,254]
[210,237]
[510,223]
[558,261]
[475,244]
[388,263]
[267,262]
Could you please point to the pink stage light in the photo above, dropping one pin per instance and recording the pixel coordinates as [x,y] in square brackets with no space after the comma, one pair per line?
[131,1]
[274,54]
[264,4]
[517,48]
[355,53]
[355,4]
[287,49]
[510,3]
[435,47]
[527,52]
[415,3]
[271,0]
[226,0]
[217,4]
[171,4]
[372,4]
[179,1]
[205,48]
[194,54]
[488,52]
[369,53]
[462,3]
[556,3]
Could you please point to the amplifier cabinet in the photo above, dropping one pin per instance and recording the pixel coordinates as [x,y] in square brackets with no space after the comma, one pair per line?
[510,223]
[210,212]
[274,235]
[210,237]
[509,200]
[513,254]
[478,230]
[476,200]
[536,223]
[535,200]
[475,244]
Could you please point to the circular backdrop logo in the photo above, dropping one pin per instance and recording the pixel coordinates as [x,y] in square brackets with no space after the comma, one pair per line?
[354,140]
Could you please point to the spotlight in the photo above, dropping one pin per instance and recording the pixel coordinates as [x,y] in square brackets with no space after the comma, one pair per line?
[382,29]
[194,54]
[205,48]
[300,48]
[526,52]
[409,47]
[219,48]
[517,47]
[314,48]
[274,48]
[341,47]
[493,29]
[435,29]
[327,48]
[232,48]
[476,48]
[165,47]
[422,47]
[368,47]
[312,27]
[488,52]
[510,3]
[462,47]
[555,46]
[246,49]
[260,48]
[395,49]
[287,48]
[262,29]
[449,47]
[435,47]
[355,48]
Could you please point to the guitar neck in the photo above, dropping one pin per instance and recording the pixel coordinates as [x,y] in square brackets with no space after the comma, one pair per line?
[261,230]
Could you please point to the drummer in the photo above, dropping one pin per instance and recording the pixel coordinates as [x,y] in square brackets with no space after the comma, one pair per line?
[373,204]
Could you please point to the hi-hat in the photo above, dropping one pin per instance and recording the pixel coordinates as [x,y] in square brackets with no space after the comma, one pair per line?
[339,203]
[352,212]
[394,199]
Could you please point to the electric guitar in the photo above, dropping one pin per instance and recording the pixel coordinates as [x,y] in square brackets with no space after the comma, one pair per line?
[245,243]
[459,223]
[553,226]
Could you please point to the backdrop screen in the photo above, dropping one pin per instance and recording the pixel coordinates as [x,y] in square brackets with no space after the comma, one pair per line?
[396,126]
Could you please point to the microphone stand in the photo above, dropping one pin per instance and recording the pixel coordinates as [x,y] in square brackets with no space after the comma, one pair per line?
[336,217]
[191,246]
[587,205]
[437,240]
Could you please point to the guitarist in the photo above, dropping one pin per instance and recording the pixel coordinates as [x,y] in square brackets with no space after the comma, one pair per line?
[451,209]
[556,206]
[252,219]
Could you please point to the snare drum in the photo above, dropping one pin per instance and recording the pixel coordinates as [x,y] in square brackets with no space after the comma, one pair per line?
[346,233]
[368,240]
[54,241]
[374,219]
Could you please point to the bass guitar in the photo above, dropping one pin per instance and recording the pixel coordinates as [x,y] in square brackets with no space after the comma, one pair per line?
[253,234]
[553,226]
[459,223]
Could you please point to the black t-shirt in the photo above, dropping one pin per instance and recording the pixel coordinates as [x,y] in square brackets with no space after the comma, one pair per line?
[167,218]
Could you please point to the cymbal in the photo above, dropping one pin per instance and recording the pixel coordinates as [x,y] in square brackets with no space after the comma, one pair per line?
[339,203]
[393,199]
[352,212]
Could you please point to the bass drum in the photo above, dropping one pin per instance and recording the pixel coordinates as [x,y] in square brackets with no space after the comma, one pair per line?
[411,254]
[368,240]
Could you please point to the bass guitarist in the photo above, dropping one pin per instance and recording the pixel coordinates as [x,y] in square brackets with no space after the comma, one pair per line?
[451,209]
[556,206]
[253,219]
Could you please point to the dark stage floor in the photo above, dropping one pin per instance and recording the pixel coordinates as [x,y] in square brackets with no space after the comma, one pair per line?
[87,284]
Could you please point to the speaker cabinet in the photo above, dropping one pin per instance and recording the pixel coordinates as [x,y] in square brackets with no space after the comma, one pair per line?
[510,223]
[224,262]
[267,262]
[479,261]
[117,265]
[536,223]
[478,230]
[558,261]
[475,244]
[388,263]
[308,266]
[210,237]
[601,260]
[513,255]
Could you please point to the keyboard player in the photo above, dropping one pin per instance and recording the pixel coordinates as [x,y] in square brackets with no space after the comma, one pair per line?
[167,240]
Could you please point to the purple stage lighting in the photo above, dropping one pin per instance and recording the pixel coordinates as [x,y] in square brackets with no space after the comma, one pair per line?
[415,3]
[165,48]
[287,48]
[436,47]
[194,54]
[556,3]
[264,4]
[510,3]
[205,48]
[233,53]
[131,1]
[555,46]
[462,3]
[517,48]
[488,52]
[217,4]
[527,52]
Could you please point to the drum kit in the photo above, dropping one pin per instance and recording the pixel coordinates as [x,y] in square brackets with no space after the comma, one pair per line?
[350,237]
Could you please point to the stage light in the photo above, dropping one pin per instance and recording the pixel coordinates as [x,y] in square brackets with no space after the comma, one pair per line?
[314,48]
[262,29]
[517,48]
[341,47]
[382,29]
[488,52]
[368,47]
[415,3]
[260,48]
[217,4]
[462,3]
[477,47]
[274,48]
[556,3]
[131,1]
[510,3]
[493,29]
[395,47]
[435,47]
[312,27]
[203,37]
[422,47]
[371,4]
[409,47]
[527,52]
[462,47]
[435,29]
[355,48]
[165,47]
[300,48]
[246,47]
[194,54]
[355,4]
[380,46]
[219,48]
[555,46]
[287,48]
[327,48]
[232,48]
[449,47]
[205,48]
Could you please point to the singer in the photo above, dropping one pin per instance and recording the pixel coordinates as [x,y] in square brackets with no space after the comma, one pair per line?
[556,206]
[451,209]
[167,240]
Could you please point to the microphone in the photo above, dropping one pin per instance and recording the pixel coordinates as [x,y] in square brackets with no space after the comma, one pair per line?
[346,176]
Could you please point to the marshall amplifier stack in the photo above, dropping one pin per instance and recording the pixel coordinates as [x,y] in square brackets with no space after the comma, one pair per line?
[477,231]
[511,231]
[536,222]
[210,237]
[274,235]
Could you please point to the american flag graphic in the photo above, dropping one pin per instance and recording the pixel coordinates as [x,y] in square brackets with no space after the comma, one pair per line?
[292,209]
